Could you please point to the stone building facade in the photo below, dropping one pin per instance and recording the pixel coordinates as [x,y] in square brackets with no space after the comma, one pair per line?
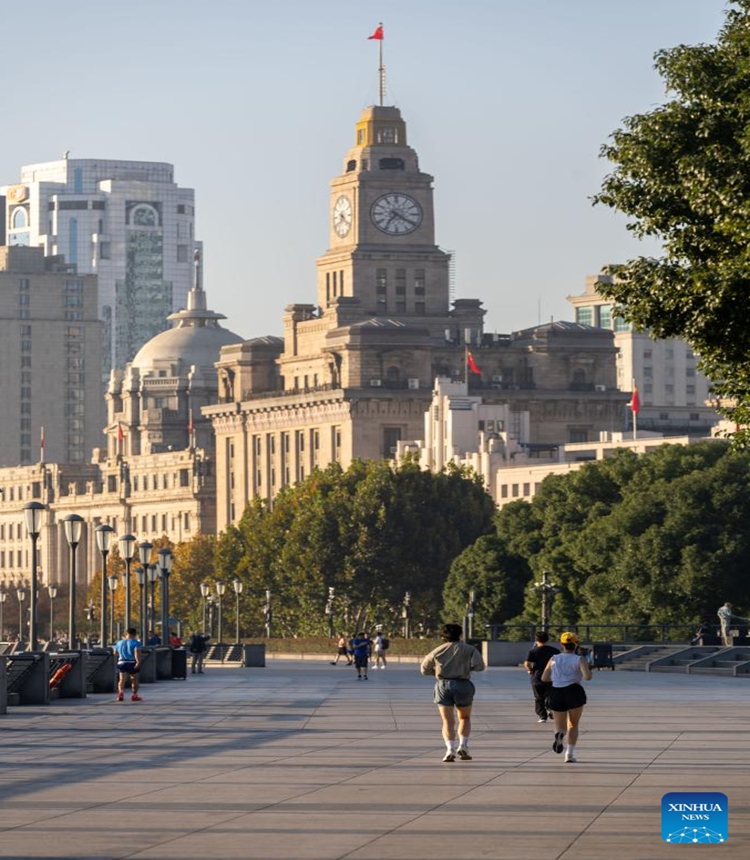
[353,374]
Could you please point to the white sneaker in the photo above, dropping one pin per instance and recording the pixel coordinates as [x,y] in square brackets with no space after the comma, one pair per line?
[463,754]
[449,756]
[570,756]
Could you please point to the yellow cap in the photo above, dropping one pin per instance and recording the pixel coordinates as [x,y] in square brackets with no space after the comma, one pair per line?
[568,638]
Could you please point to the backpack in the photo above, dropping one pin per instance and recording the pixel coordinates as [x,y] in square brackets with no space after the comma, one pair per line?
[384,643]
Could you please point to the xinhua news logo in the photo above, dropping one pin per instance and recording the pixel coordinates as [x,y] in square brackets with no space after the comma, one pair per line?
[694,817]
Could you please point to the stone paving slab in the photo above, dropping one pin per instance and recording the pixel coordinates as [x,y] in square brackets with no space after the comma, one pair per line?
[299,761]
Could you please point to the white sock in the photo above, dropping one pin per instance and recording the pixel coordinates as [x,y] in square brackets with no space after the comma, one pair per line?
[571,748]
[451,745]
[463,742]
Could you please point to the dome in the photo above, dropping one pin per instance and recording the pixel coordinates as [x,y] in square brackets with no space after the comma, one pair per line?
[190,345]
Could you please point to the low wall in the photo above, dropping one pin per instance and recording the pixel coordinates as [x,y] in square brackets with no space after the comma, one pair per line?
[505,653]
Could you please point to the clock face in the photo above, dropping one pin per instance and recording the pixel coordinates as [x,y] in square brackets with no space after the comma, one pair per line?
[396,214]
[342,216]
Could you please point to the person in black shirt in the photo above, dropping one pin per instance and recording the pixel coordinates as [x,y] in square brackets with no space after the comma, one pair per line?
[535,662]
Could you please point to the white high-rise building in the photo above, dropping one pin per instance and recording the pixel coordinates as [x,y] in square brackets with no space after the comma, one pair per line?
[127,222]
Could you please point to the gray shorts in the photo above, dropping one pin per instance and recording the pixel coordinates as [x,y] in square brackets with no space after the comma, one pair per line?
[456,692]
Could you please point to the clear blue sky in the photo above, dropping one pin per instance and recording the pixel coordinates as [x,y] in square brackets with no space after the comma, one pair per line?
[507,103]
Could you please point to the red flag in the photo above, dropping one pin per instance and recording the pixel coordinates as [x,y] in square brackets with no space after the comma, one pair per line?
[41,443]
[635,401]
[378,34]
[120,434]
[472,365]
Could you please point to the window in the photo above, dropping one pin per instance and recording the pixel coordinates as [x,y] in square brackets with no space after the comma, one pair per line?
[391,163]
[669,353]
[648,372]
[180,208]
[578,434]
[694,416]
[351,165]
[19,219]
[182,253]
[621,325]
[72,301]
[648,353]
[605,318]
[400,282]
[381,281]
[23,298]
[419,282]
[73,204]
[690,371]
[105,251]
[391,436]
[360,137]
[504,491]
[23,284]
[387,135]
[664,416]
[585,316]
[689,389]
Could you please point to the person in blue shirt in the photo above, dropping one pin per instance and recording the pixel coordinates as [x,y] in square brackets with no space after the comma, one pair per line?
[360,649]
[128,652]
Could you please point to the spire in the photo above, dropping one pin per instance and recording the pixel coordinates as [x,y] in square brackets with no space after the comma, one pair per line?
[196,296]
[197,314]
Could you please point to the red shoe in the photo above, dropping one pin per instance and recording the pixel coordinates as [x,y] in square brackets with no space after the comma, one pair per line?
[120,697]
[136,698]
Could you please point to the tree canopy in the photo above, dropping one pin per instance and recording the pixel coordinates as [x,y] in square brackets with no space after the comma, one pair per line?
[682,175]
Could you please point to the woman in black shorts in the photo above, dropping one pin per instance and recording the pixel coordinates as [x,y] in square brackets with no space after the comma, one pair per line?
[567,696]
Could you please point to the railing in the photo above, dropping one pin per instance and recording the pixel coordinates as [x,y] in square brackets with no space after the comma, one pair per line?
[662,633]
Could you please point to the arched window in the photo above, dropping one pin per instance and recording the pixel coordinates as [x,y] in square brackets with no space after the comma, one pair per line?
[393,374]
[19,218]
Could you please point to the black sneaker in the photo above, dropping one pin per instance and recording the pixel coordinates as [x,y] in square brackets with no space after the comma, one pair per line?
[365,678]
[463,754]
[557,744]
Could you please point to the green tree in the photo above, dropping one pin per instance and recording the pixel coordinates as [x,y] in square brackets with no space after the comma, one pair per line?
[193,564]
[496,577]
[682,175]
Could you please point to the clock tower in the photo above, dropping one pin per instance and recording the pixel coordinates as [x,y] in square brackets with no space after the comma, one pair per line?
[382,250]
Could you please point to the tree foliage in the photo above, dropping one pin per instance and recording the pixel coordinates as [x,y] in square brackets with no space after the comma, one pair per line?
[659,538]
[682,175]
[371,533]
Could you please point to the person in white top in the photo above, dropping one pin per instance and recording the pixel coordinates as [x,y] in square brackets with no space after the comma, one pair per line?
[567,697]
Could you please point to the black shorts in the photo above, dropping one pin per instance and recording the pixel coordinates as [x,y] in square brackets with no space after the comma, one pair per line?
[361,662]
[344,651]
[567,698]
[128,667]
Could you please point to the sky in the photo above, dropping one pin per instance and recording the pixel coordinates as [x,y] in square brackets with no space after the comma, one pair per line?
[507,103]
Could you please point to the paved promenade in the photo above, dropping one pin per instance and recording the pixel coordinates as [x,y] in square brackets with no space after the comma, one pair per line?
[300,761]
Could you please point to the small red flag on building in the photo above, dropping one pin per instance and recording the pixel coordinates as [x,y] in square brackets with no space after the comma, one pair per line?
[378,34]
[635,401]
[120,434]
[472,365]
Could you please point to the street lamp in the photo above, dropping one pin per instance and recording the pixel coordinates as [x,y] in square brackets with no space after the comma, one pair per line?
[144,556]
[220,588]
[113,582]
[153,575]
[237,583]
[546,589]
[21,595]
[33,514]
[3,598]
[140,575]
[268,613]
[127,551]
[329,610]
[52,590]
[73,529]
[406,615]
[205,591]
[166,560]
[103,539]
[469,616]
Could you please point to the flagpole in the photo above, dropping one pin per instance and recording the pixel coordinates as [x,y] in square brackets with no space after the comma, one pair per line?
[381,70]
[466,365]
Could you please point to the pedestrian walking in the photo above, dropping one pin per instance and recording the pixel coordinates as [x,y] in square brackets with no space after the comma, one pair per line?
[342,650]
[567,697]
[359,647]
[382,644]
[197,645]
[128,652]
[725,620]
[452,664]
[535,663]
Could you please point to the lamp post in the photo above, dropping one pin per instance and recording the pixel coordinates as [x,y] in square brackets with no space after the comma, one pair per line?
[546,589]
[21,595]
[127,551]
[469,617]
[33,514]
[166,560]
[153,575]
[220,588]
[140,575]
[144,556]
[268,613]
[3,598]
[211,602]
[52,590]
[103,539]
[406,615]
[205,591]
[73,529]
[329,611]
[113,582]
[237,583]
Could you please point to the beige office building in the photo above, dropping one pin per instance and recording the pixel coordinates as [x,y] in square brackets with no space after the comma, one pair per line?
[354,372]
[50,360]
[674,394]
